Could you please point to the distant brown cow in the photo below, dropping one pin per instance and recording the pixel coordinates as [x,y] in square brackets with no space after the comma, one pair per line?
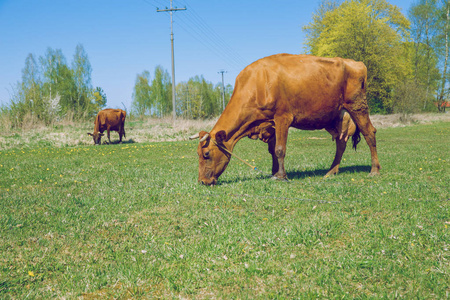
[109,119]
[282,91]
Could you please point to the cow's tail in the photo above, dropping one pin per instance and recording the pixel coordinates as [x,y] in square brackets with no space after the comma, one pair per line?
[356,137]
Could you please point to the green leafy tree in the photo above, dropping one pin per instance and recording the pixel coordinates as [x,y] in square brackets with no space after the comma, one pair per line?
[228,92]
[161,92]
[423,32]
[430,29]
[66,88]
[26,96]
[442,47]
[31,81]
[211,104]
[371,31]
[82,70]
[218,97]
[408,98]
[196,99]
[50,88]
[317,26]
[99,101]
[183,100]
[142,101]
[52,65]
[31,89]
[152,97]
[200,99]
[58,81]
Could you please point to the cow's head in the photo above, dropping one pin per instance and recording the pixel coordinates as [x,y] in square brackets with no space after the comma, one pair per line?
[212,156]
[97,137]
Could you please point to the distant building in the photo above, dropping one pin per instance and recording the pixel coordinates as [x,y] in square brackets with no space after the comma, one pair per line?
[443,106]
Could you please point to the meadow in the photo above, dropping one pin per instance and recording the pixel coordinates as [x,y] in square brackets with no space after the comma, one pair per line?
[130,220]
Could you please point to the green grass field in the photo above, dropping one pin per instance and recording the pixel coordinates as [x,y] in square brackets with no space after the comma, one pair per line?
[131,221]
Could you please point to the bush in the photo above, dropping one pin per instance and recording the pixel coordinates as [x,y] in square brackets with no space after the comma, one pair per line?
[409,98]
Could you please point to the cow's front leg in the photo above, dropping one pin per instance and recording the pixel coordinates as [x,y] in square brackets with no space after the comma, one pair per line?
[109,138]
[281,132]
[275,165]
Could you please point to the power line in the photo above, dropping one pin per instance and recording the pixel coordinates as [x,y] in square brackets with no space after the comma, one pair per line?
[212,35]
[218,47]
[214,48]
[198,29]
[149,3]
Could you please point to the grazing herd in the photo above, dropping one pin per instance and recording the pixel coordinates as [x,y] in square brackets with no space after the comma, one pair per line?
[270,96]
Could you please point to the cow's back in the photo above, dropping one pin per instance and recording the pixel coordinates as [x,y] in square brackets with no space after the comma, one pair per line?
[308,87]
[110,117]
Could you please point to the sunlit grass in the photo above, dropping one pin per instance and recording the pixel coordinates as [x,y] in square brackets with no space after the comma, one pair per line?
[130,220]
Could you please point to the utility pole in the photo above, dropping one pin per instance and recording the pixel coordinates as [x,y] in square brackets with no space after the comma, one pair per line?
[223,90]
[171,10]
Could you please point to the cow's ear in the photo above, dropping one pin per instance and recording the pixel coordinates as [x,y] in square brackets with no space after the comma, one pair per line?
[221,136]
[89,134]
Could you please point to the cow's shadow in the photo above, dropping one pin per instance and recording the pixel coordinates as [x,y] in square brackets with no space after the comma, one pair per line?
[116,142]
[322,172]
[300,174]
[129,141]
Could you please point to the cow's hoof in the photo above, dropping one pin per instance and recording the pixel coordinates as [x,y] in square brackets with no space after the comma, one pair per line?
[280,179]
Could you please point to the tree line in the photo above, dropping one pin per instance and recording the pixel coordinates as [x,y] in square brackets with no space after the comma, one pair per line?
[196,98]
[50,89]
[406,57]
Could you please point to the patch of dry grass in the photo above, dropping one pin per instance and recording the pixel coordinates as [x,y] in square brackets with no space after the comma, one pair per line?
[401,120]
[70,132]
[159,130]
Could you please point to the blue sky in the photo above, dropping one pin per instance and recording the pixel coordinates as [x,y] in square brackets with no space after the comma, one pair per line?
[124,38]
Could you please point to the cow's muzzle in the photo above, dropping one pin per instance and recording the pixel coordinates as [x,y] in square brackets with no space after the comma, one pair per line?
[210,181]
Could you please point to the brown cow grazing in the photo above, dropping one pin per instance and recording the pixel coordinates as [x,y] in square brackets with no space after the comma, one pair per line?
[282,91]
[109,119]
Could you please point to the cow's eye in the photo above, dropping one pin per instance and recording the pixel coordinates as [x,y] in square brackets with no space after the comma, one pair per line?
[206,155]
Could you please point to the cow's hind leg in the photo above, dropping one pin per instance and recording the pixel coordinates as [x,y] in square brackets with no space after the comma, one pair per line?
[362,120]
[341,144]
[121,132]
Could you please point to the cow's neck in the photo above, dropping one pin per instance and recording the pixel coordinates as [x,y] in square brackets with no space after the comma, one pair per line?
[235,125]
[97,124]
